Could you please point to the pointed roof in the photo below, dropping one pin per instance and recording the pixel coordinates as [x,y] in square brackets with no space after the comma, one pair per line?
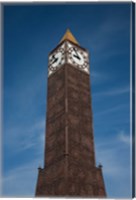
[68,36]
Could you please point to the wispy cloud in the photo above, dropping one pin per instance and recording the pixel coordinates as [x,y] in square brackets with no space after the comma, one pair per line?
[21,181]
[114,155]
[112,109]
[113,91]
[116,170]
[25,138]
[124,138]
[98,77]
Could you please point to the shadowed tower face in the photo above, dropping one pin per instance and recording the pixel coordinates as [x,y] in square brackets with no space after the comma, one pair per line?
[69,165]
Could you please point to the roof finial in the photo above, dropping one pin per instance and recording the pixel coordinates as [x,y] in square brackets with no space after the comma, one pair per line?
[68,36]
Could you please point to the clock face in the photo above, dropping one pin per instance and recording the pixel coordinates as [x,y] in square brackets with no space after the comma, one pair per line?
[56,59]
[71,54]
[78,57]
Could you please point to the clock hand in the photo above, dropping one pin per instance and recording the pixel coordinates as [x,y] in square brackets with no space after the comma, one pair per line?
[54,59]
[76,54]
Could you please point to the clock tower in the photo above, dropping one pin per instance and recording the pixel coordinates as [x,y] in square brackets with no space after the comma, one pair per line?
[69,159]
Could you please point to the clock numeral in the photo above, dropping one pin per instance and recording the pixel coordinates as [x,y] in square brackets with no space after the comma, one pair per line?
[53,68]
[70,50]
[61,50]
[84,65]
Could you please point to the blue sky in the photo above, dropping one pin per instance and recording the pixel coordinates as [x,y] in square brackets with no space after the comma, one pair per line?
[30,33]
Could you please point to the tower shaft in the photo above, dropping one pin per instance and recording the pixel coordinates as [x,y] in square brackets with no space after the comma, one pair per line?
[69,167]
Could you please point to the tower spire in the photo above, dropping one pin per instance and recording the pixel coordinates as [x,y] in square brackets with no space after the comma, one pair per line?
[69,36]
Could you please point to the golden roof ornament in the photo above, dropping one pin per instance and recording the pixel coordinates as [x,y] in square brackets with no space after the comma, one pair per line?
[69,36]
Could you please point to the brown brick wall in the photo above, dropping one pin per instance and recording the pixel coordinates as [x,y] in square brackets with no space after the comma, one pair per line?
[69,168]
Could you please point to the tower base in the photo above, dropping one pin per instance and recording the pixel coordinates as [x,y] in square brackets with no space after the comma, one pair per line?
[70,180]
